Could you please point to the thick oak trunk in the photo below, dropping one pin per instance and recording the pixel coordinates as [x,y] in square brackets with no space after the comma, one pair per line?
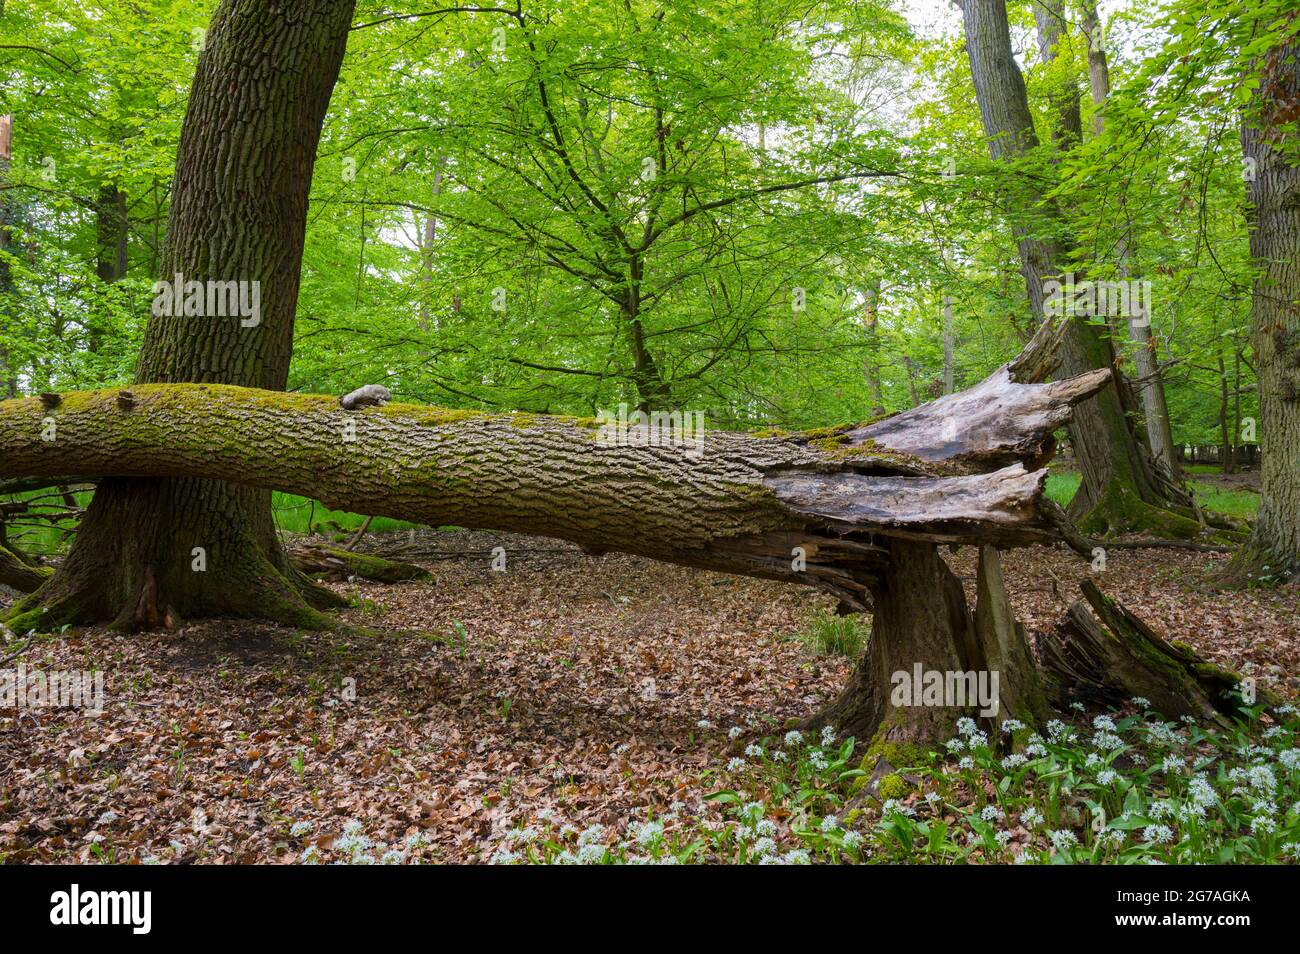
[1268,138]
[238,213]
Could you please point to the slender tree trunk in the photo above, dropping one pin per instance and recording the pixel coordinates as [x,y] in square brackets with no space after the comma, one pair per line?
[1269,139]
[871,364]
[111,234]
[1226,462]
[651,389]
[8,374]
[949,372]
[152,551]
[1121,487]
[427,239]
[1098,67]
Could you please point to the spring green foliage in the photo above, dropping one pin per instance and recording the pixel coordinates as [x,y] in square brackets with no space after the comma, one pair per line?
[604,202]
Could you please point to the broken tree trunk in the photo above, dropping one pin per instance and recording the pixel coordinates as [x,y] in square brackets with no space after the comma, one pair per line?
[20,574]
[855,511]
[1110,657]
[792,508]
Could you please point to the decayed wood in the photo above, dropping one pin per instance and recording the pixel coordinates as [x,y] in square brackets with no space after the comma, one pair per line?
[996,423]
[1003,644]
[1001,506]
[1102,655]
[781,507]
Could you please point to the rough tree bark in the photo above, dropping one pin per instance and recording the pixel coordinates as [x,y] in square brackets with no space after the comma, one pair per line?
[871,363]
[1269,139]
[1121,488]
[238,213]
[855,511]
[1150,381]
[8,375]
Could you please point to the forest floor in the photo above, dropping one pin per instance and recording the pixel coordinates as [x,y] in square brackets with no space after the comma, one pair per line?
[594,688]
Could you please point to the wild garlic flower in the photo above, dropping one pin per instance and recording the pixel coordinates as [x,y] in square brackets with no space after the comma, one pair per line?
[1063,838]
[1157,834]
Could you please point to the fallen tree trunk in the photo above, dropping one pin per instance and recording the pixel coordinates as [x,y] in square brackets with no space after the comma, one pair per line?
[19,574]
[792,507]
[855,511]
[334,563]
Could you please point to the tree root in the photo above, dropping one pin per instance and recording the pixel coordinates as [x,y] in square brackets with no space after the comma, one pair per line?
[19,573]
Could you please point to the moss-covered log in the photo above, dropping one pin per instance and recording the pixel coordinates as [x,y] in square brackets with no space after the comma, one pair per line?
[335,563]
[781,507]
[20,574]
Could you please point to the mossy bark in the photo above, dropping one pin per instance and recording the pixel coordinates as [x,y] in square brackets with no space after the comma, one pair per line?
[238,213]
[1108,658]
[335,563]
[1268,138]
[20,574]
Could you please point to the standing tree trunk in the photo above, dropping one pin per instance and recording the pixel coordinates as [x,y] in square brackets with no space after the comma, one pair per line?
[428,236]
[111,232]
[152,551]
[871,363]
[8,375]
[1269,139]
[1150,380]
[1122,489]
